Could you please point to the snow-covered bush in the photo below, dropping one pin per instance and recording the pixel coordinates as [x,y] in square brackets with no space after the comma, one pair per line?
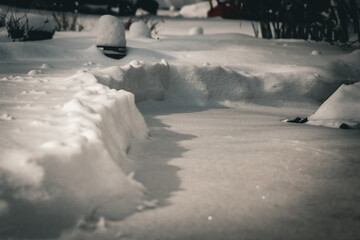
[139,29]
[111,32]
[29,27]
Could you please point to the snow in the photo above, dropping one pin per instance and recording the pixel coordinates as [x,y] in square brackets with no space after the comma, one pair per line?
[139,29]
[341,107]
[196,31]
[181,139]
[111,32]
[196,10]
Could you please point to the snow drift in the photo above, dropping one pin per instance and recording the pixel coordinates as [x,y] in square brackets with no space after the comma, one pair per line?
[77,163]
[206,85]
[341,108]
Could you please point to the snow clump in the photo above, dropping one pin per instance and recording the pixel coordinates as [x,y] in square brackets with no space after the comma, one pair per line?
[316,53]
[35,72]
[341,109]
[111,32]
[139,29]
[46,66]
[196,31]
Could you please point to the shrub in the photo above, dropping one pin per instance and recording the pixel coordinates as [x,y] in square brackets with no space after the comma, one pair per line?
[29,27]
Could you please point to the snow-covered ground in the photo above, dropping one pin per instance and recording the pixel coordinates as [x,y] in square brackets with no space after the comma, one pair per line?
[214,158]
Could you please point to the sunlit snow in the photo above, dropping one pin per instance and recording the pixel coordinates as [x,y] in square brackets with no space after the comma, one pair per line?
[184,138]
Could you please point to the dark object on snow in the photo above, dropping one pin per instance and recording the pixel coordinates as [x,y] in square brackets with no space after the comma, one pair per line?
[294,120]
[113,51]
[297,120]
[344,126]
[303,120]
[227,10]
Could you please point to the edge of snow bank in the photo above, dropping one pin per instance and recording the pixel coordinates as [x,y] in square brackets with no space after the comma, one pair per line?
[85,169]
[207,85]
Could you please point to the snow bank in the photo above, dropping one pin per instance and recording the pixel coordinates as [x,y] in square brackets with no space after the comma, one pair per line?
[146,81]
[67,159]
[206,84]
[111,32]
[342,108]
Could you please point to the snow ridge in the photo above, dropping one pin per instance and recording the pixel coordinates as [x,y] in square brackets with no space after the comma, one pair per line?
[81,164]
[206,85]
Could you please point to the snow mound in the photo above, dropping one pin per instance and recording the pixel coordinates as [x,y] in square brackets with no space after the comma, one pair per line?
[145,81]
[111,32]
[341,109]
[139,29]
[196,31]
[71,162]
[197,10]
[207,84]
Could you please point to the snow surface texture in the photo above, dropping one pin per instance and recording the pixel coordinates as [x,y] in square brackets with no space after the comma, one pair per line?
[111,32]
[139,29]
[196,31]
[76,162]
[342,107]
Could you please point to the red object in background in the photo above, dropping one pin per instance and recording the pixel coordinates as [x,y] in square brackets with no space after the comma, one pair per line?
[227,10]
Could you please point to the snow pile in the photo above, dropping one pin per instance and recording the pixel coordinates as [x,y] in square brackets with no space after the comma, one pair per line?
[196,10]
[207,84]
[66,159]
[139,29]
[196,31]
[342,109]
[111,32]
[146,81]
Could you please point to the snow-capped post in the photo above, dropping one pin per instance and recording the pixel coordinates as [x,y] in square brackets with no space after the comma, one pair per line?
[111,37]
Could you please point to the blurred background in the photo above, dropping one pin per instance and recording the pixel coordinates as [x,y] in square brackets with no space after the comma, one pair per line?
[320,20]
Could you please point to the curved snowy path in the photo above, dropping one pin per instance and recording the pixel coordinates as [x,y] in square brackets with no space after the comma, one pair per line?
[241,173]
